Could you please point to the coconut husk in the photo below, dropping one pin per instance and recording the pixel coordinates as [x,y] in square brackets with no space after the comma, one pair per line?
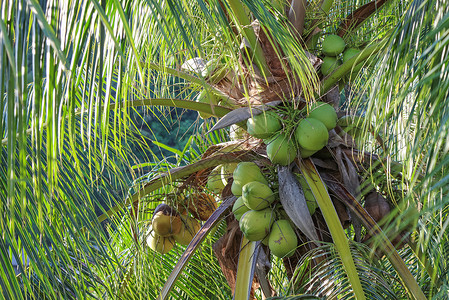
[342,212]
[274,63]
[377,206]
[196,181]
[201,205]
[275,86]
[226,192]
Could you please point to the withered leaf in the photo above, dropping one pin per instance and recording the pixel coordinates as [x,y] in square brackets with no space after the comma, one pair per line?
[294,203]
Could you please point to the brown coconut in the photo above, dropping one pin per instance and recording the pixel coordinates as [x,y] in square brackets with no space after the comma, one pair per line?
[166,221]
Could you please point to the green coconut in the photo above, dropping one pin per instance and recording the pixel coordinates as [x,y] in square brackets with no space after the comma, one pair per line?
[311,134]
[306,153]
[226,172]
[257,195]
[333,45]
[239,208]
[324,113]
[329,65]
[348,54]
[264,125]
[246,172]
[189,228]
[214,182]
[282,241]
[158,243]
[281,149]
[256,224]
[205,97]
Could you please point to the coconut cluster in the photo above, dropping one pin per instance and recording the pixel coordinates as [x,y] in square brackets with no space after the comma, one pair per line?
[309,136]
[170,226]
[260,217]
[335,53]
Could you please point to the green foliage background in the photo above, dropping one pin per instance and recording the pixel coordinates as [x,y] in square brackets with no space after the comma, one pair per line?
[77,142]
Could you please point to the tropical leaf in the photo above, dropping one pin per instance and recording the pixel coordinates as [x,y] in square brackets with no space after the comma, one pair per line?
[72,79]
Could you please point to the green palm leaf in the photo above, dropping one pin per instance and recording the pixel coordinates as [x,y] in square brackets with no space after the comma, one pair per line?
[74,73]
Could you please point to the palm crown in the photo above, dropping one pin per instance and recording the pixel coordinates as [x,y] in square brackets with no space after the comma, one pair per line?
[80,184]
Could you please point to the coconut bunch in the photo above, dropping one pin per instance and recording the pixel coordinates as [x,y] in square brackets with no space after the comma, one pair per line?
[289,133]
[168,227]
[259,213]
[179,225]
[335,53]
[285,137]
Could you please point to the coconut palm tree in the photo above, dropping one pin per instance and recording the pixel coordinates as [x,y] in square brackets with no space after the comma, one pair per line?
[79,183]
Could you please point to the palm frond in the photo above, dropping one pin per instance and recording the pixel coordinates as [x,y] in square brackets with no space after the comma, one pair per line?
[328,279]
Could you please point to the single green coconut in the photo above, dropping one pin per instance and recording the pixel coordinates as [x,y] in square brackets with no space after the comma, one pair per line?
[306,153]
[333,45]
[348,54]
[311,134]
[226,172]
[239,208]
[329,65]
[264,125]
[282,241]
[256,224]
[246,172]
[281,149]
[205,97]
[158,243]
[189,228]
[257,195]
[324,113]
[214,182]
